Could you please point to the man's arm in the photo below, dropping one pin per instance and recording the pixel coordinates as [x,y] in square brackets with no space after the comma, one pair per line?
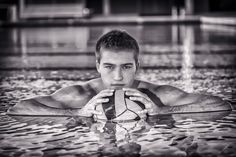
[177,101]
[73,100]
[34,107]
[66,101]
[168,100]
[204,104]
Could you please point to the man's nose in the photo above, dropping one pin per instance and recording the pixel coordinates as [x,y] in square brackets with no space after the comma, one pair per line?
[118,74]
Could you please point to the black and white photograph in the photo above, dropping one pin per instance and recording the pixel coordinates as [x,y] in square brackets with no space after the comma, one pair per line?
[117,78]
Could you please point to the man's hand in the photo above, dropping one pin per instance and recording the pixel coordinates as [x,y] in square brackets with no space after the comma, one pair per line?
[89,109]
[135,95]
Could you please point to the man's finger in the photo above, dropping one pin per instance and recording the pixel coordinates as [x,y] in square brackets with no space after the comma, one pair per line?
[140,99]
[95,112]
[95,102]
[129,93]
[104,94]
[107,91]
[134,92]
[143,111]
[145,101]
[142,114]
[102,100]
[130,89]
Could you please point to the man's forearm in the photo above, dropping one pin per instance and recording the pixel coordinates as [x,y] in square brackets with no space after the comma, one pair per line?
[201,106]
[33,107]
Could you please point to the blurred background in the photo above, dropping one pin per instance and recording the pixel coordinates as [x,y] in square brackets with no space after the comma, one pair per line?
[14,10]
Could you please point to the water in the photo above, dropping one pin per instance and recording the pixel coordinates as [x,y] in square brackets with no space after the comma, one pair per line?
[205,134]
[38,61]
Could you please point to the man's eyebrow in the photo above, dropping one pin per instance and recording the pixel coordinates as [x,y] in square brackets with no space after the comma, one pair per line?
[108,64]
[127,64]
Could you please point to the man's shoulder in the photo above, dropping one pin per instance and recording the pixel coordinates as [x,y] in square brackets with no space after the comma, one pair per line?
[156,87]
[145,84]
[87,87]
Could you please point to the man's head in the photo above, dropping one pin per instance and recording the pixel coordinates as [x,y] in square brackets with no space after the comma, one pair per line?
[117,40]
[117,59]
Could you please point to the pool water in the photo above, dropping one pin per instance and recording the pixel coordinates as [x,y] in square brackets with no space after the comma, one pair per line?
[179,135]
[195,58]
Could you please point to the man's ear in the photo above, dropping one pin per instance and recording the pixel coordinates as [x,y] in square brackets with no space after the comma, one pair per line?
[98,66]
[137,66]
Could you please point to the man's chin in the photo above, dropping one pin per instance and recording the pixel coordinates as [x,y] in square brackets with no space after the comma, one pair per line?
[117,87]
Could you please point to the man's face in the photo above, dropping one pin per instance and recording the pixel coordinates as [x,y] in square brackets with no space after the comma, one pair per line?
[117,69]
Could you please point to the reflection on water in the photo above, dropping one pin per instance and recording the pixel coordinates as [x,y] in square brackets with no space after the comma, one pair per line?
[171,135]
[166,46]
[38,61]
[187,61]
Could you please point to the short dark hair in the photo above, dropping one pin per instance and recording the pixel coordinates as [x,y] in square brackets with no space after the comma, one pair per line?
[117,40]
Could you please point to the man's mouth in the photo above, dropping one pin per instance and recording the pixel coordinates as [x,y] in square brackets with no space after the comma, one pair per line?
[117,85]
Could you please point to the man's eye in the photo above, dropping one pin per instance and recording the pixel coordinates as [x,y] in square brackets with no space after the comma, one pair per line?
[109,67]
[127,67]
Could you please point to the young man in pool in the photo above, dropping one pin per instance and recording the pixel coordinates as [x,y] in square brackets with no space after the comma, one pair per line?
[117,62]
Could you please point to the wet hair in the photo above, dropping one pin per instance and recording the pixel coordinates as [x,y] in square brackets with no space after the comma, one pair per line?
[117,40]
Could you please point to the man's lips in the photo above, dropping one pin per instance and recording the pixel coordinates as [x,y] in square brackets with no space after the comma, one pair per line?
[117,85]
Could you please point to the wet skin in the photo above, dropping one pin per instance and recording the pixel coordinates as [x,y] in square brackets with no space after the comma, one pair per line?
[118,71]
